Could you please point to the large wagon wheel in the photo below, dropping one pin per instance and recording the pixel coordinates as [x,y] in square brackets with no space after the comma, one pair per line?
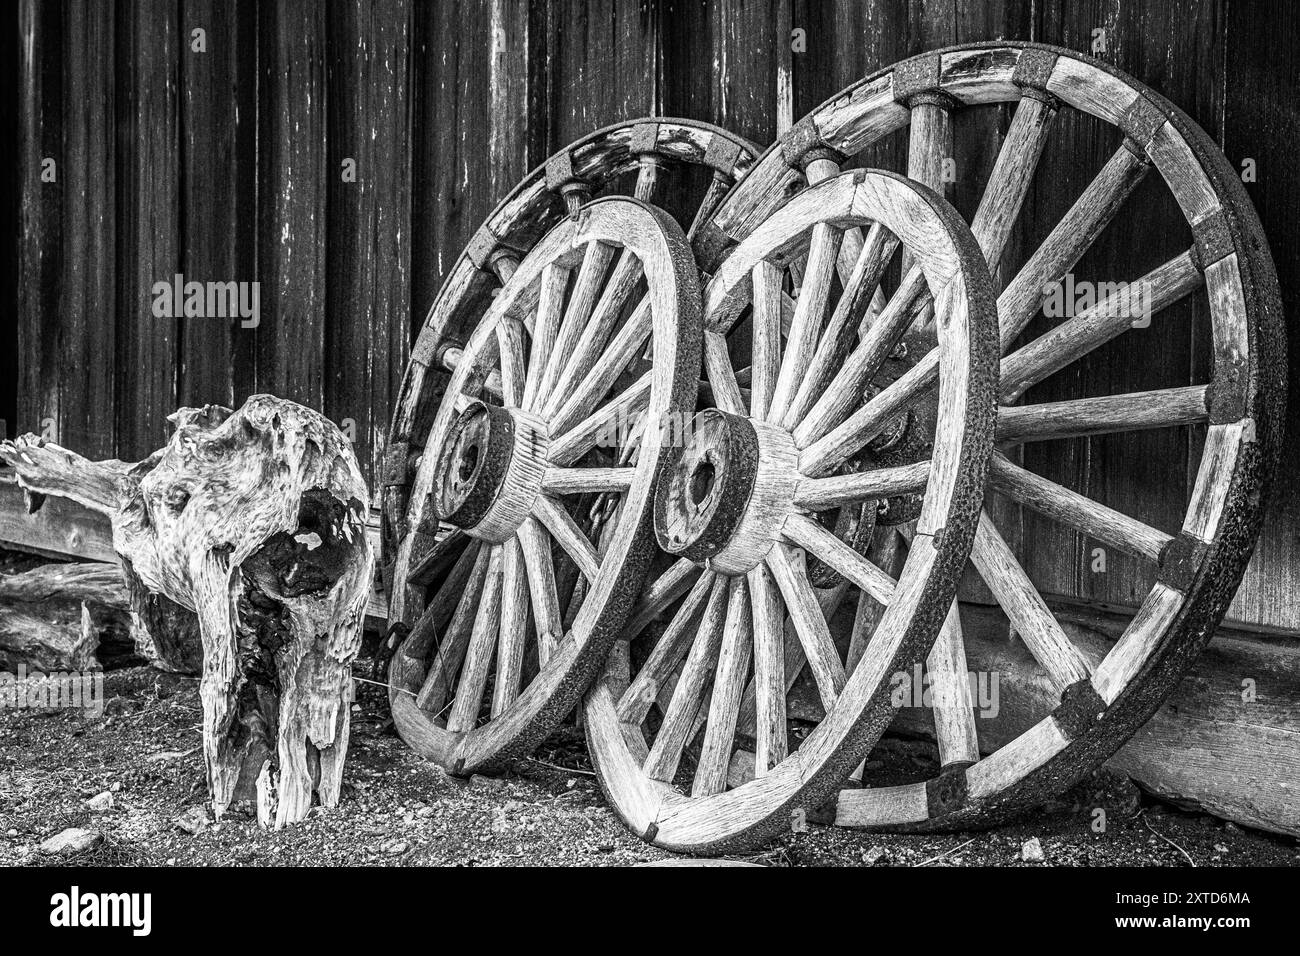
[1196,567]
[735,509]
[516,471]
[420,562]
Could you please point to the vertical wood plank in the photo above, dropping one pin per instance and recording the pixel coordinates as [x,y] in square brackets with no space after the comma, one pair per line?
[86,395]
[471,83]
[723,62]
[148,233]
[1261,123]
[368,254]
[291,200]
[40,241]
[219,241]
[602,63]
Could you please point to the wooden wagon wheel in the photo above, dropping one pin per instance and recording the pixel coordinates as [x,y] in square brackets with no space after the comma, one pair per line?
[657,153]
[1196,567]
[735,508]
[537,420]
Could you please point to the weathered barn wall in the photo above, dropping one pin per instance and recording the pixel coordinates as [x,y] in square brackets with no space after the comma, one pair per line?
[227,164]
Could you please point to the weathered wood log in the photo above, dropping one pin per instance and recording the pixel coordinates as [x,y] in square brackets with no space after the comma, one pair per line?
[254,522]
[61,617]
[1226,742]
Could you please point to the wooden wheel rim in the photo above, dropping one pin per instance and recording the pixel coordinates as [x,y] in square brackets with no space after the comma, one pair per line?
[599,229]
[537,203]
[951,262]
[1200,566]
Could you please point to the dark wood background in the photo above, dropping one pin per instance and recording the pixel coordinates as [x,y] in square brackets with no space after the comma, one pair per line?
[226,165]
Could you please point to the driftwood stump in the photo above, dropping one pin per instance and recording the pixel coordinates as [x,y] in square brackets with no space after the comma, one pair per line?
[254,523]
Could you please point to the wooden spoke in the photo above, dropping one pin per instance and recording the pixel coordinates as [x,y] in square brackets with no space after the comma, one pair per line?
[929,146]
[766,279]
[866,423]
[546,327]
[587,351]
[867,614]
[950,696]
[847,318]
[722,377]
[581,481]
[1080,334]
[667,654]
[846,388]
[819,494]
[542,592]
[662,592]
[769,671]
[728,686]
[591,275]
[1071,238]
[619,353]
[478,657]
[438,612]
[1025,608]
[647,177]
[811,536]
[810,309]
[680,717]
[1071,508]
[426,567]
[441,676]
[514,627]
[713,195]
[510,343]
[602,424]
[568,535]
[1012,175]
[1134,411]
[787,565]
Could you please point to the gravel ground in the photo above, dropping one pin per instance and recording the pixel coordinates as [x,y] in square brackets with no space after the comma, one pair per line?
[56,767]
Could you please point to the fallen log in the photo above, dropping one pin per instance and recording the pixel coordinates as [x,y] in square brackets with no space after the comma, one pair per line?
[254,523]
[1226,742]
[61,617]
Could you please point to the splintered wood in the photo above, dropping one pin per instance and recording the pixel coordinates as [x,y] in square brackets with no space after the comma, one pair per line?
[252,525]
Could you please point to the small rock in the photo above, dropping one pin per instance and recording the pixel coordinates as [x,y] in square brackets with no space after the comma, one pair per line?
[1031,851]
[115,787]
[101,801]
[194,820]
[1220,848]
[480,782]
[72,840]
[11,833]
[874,855]
[396,848]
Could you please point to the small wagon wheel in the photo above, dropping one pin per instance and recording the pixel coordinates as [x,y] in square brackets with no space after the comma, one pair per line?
[734,510]
[532,425]
[657,152]
[1195,568]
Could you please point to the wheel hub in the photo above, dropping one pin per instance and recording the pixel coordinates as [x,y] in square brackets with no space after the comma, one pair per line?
[490,470]
[725,499]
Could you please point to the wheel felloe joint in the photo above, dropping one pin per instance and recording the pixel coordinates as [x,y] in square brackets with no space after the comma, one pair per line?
[947,792]
[1080,709]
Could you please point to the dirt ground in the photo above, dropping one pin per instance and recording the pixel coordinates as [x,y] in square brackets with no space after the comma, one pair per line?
[398,810]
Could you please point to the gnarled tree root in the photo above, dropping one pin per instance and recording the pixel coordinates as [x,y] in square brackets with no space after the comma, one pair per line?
[250,525]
